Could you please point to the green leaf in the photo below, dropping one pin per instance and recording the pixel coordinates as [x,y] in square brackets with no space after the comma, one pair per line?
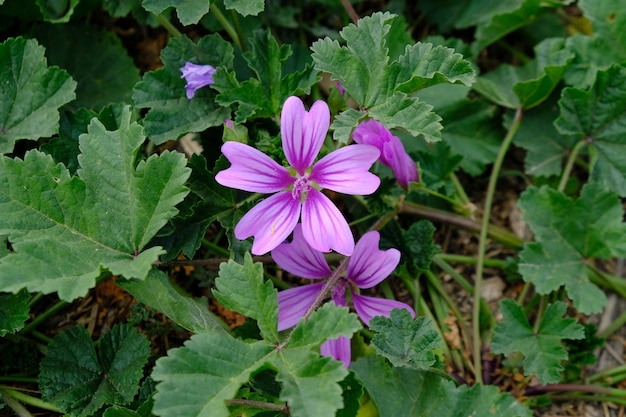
[361,65]
[352,393]
[14,311]
[106,77]
[592,54]
[310,382]
[471,127]
[171,114]
[245,7]
[264,95]
[546,148]
[597,116]
[189,11]
[502,24]
[570,233]
[344,123]
[542,349]
[404,392]
[406,341]
[416,244]
[80,379]
[531,84]
[158,292]
[196,379]
[31,93]
[608,19]
[56,11]
[242,288]
[327,322]
[65,229]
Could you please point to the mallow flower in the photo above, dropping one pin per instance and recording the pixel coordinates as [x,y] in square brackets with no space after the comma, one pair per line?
[298,188]
[392,153]
[197,76]
[367,267]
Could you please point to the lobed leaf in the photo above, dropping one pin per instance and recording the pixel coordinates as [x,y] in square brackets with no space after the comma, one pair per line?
[327,322]
[171,114]
[245,7]
[31,93]
[427,394]
[14,311]
[597,116]
[242,288]
[570,232]
[542,349]
[406,341]
[80,379]
[189,11]
[64,230]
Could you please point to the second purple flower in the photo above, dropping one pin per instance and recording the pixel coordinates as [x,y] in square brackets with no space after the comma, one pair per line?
[298,188]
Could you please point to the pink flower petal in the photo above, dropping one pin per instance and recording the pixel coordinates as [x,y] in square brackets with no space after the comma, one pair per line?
[300,259]
[252,170]
[323,225]
[303,132]
[369,307]
[369,265]
[346,170]
[392,153]
[337,348]
[270,222]
[294,302]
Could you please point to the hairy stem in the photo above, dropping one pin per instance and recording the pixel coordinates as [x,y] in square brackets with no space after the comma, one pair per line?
[482,243]
[225,24]
[283,408]
[15,396]
[171,29]
[567,171]
[350,10]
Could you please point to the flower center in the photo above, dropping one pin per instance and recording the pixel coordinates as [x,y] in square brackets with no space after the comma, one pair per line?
[301,187]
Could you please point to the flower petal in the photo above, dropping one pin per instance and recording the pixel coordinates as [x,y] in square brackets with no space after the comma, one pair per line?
[369,265]
[270,222]
[300,259]
[337,348]
[303,132]
[369,307]
[392,151]
[294,302]
[323,225]
[346,170]
[252,170]
[197,76]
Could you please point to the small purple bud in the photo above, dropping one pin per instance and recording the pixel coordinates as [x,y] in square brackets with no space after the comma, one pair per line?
[340,88]
[229,124]
[197,76]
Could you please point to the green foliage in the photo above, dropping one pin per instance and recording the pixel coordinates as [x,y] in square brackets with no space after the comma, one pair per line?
[406,341]
[427,394]
[189,11]
[416,244]
[80,377]
[542,348]
[529,85]
[65,229]
[31,93]
[158,292]
[570,233]
[14,311]
[245,7]
[597,116]
[383,86]
[263,96]
[196,379]
[241,288]
[171,113]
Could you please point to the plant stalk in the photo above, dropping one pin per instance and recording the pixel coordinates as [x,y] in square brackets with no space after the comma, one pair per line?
[482,243]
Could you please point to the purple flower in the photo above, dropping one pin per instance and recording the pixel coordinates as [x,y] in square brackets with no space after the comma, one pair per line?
[367,267]
[392,153]
[298,188]
[197,76]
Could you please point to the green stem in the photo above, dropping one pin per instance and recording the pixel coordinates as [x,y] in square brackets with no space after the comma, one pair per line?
[27,399]
[171,29]
[283,408]
[570,164]
[616,325]
[612,375]
[495,232]
[460,190]
[482,243]
[44,316]
[470,260]
[589,398]
[225,24]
